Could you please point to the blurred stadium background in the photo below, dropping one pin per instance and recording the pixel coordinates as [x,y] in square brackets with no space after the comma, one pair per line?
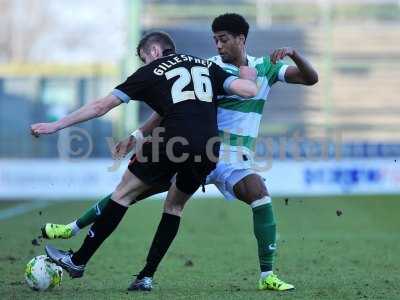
[56,56]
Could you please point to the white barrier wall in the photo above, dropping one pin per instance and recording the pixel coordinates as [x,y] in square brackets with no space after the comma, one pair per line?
[58,180]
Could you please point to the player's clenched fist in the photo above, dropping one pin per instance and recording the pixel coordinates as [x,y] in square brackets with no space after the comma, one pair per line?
[43,128]
[280,53]
[248,73]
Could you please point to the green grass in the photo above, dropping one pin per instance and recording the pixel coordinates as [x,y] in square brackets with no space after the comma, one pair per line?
[352,256]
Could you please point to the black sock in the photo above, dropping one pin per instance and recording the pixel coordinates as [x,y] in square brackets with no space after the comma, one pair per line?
[109,219]
[166,232]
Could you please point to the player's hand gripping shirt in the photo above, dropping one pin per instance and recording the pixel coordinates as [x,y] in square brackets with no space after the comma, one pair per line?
[182,89]
[238,120]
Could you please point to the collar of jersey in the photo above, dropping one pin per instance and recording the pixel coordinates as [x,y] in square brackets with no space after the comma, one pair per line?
[250,61]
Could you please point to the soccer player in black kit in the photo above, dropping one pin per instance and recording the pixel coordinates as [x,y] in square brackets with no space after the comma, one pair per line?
[182,89]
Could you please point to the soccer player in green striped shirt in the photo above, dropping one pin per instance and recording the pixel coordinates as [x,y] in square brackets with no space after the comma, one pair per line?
[234,176]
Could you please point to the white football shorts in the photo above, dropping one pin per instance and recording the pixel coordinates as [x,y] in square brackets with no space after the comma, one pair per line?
[231,168]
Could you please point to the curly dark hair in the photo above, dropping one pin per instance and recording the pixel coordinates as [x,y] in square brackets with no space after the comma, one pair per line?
[231,22]
[160,37]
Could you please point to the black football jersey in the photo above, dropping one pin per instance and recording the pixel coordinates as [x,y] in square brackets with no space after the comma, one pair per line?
[182,89]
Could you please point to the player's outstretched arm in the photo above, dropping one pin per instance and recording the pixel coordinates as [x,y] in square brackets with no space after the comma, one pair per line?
[87,112]
[302,73]
[249,73]
[244,88]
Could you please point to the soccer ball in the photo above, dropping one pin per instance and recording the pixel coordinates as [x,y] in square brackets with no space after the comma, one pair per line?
[41,273]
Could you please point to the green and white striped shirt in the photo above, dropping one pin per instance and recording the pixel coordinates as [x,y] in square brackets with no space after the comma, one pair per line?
[239,119]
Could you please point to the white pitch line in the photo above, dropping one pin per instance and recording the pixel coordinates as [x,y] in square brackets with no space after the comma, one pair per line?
[20,209]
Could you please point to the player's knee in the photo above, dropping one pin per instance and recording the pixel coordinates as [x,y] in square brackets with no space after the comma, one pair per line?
[124,197]
[251,189]
[258,193]
[124,201]
[174,208]
[254,195]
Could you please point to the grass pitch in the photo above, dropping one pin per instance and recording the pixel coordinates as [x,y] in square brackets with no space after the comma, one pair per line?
[325,254]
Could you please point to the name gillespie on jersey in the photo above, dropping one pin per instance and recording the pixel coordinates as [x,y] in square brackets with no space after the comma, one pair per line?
[161,68]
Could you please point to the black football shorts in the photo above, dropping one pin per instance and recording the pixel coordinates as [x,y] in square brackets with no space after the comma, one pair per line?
[159,169]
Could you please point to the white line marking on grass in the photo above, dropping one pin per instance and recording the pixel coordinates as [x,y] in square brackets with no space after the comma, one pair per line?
[20,209]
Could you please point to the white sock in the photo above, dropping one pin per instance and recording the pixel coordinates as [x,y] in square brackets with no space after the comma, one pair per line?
[265,274]
[262,201]
[74,227]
